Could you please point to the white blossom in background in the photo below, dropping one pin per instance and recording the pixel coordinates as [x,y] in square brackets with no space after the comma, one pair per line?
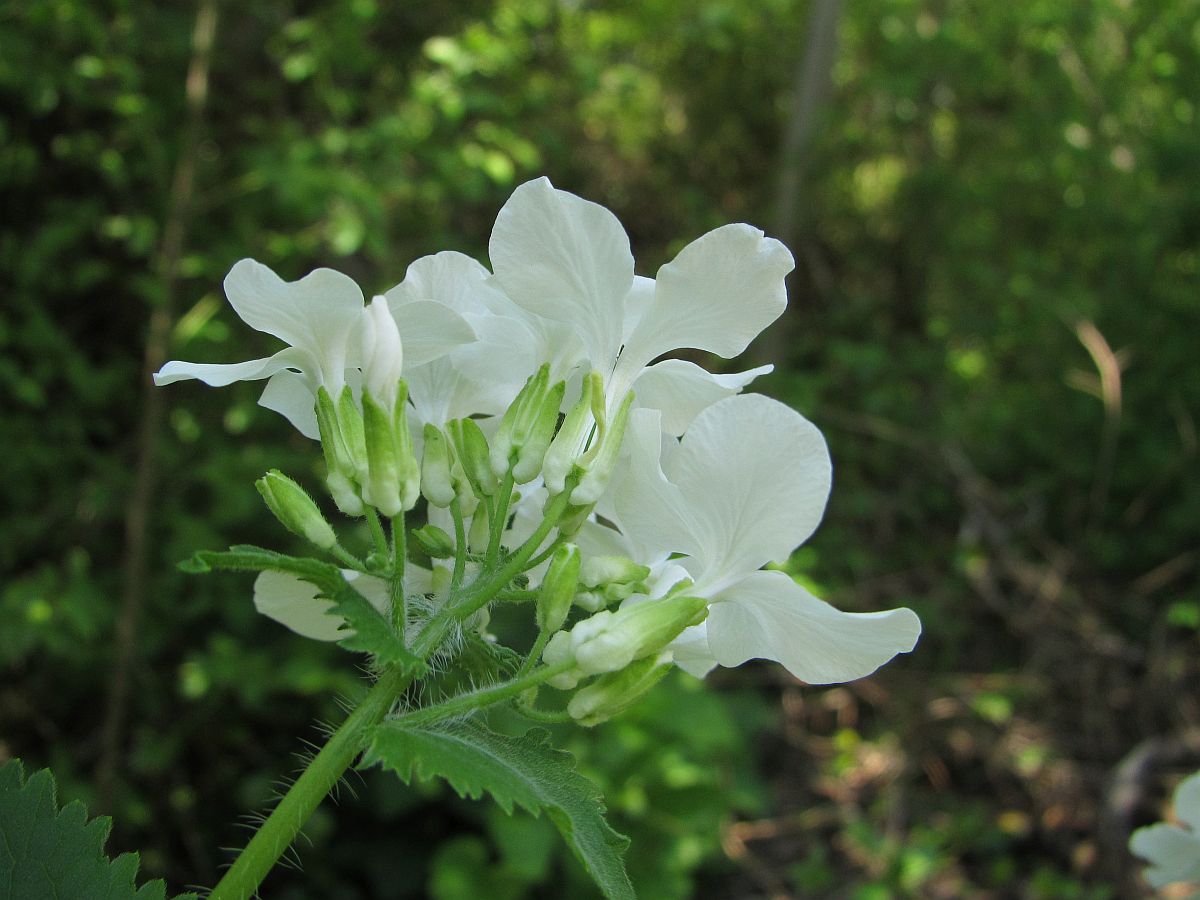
[1173,851]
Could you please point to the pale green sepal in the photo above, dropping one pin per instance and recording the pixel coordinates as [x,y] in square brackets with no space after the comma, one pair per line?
[533,449]
[558,588]
[599,469]
[601,570]
[517,421]
[568,445]
[406,457]
[350,422]
[339,467]
[437,481]
[434,541]
[614,693]
[295,509]
[383,463]
[610,641]
[471,447]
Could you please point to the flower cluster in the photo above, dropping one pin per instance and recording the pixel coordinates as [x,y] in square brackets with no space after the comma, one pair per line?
[634,502]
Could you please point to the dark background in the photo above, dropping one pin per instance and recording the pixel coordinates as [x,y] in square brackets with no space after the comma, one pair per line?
[995,213]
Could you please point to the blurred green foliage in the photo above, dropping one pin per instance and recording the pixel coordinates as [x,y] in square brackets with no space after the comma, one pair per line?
[1000,207]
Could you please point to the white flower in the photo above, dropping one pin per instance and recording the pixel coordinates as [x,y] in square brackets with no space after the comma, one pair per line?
[296,604]
[746,485]
[1173,852]
[567,261]
[321,317]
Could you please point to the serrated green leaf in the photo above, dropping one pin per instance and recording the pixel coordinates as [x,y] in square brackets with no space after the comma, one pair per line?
[521,771]
[372,632]
[49,853]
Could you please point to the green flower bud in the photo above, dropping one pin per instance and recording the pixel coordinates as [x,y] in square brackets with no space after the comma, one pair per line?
[614,693]
[518,421]
[345,493]
[339,465]
[533,451]
[600,570]
[295,509]
[570,442]
[600,467]
[406,457]
[610,641]
[592,601]
[471,447]
[351,423]
[558,588]
[383,463]
[437,482]
[434,541]
[479,532]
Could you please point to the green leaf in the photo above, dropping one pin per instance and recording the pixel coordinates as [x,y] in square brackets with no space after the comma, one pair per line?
[48,853]
[372,632]
[516,771]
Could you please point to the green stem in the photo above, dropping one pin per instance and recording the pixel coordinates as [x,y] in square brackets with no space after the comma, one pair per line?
[396,587]
[499,520]
[377,535]
[347,559]
[489,696]
[460,545]
[517,596]
[545,554]
[242,879]
[535,653]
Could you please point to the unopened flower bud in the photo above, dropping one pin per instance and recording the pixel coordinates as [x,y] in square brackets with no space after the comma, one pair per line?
[533,450]
[610,641]
[295,509]
[339,464]
[437,483]
[614,693]
[570,442]
[471,447]
[382,353]
[406,456]
[557,652]
[600,467]
[350,422]
[434,541]
[518,420]
[383,463]
[601,570]
[558,588]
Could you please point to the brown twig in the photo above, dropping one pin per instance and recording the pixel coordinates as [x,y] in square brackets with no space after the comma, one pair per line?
[137,516]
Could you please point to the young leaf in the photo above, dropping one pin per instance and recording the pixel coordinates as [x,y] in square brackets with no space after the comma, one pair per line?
[48,852]
[371,630]
[516,771]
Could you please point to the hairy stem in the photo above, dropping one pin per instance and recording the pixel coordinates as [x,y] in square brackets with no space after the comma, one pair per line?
[489,696]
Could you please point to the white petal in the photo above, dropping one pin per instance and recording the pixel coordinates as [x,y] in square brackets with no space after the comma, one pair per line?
[566,259]
[682,389]
[295,604]
[1187,802]
[318,313]
[451,278]
[430,330]
[1173,854]
[755,476]
[637,302]
[716,295]
[769,616]
[219,375]
[651,511]
[291,395]
[691,651]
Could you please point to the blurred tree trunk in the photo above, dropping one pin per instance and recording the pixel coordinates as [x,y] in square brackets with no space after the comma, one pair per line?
[812,86]
[162,316]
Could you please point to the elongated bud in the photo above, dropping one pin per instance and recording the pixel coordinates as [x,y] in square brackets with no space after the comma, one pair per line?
[295,509]
[533,450]
[570,442]
[437,482]
[471,446]
[518,420]
[600,570]
[383,465]
[434,541]
[614,693]
[339,465]
[480,532]
[406,457]
[610,641]
[350,421]
[599,469]
[382,353]
[558,588]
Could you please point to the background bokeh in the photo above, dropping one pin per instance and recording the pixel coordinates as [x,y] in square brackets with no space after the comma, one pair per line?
[995,212]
